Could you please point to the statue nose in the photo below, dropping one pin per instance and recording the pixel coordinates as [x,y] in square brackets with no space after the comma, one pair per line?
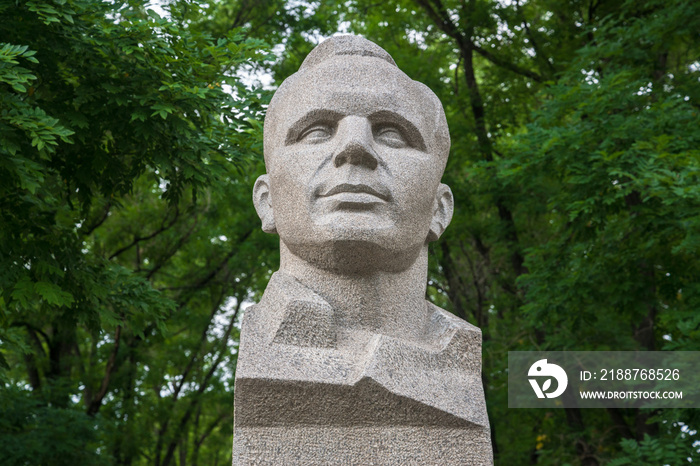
[356,154]
[357,148]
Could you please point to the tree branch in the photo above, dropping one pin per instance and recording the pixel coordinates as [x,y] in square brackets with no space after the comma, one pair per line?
[202,387]
[33,328]
[441,18]
[95,404]
[481,316]
[210,428]
[202,339]
[172,251]
[442,21]
[138,239]
[206,279]
[531,36]
[99,222]
[507,65]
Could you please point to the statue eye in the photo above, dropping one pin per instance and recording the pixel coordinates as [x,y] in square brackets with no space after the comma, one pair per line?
[391,137]
[316,134]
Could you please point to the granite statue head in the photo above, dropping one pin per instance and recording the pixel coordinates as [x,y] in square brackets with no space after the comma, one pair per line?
[354,151]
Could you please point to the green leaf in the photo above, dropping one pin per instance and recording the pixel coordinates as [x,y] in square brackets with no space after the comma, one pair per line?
[53,294]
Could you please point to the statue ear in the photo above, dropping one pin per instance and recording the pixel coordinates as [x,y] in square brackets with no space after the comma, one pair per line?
[443,208]
[263,206]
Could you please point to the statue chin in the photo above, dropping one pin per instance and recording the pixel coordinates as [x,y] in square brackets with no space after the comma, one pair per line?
[355,256]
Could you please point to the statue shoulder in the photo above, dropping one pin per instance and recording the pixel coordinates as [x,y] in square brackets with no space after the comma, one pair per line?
[455,340]
[441,319]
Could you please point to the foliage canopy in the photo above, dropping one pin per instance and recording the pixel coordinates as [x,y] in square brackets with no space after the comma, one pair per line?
[128,243]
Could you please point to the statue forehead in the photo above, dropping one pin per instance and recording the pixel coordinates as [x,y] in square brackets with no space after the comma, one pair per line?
[349,85]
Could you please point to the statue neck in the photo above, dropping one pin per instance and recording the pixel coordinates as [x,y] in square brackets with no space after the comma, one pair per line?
[387,302]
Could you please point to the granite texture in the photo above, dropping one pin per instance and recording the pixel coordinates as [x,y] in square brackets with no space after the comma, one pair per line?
[343,361]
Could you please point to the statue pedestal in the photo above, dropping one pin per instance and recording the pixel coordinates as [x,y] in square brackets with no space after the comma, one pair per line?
[369,399]
[362,445]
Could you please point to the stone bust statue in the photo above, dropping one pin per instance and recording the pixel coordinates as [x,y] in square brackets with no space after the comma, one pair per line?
[344,361]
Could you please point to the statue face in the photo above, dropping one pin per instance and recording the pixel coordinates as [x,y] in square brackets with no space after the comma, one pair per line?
[352,161]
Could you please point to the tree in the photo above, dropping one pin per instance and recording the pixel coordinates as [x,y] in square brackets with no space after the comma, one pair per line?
[123,159]
[128,243]
[613,157]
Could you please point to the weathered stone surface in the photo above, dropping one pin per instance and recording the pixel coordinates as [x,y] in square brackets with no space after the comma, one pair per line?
[343,361]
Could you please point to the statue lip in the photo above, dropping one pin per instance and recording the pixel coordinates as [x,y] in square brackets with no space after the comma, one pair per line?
[382,193]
